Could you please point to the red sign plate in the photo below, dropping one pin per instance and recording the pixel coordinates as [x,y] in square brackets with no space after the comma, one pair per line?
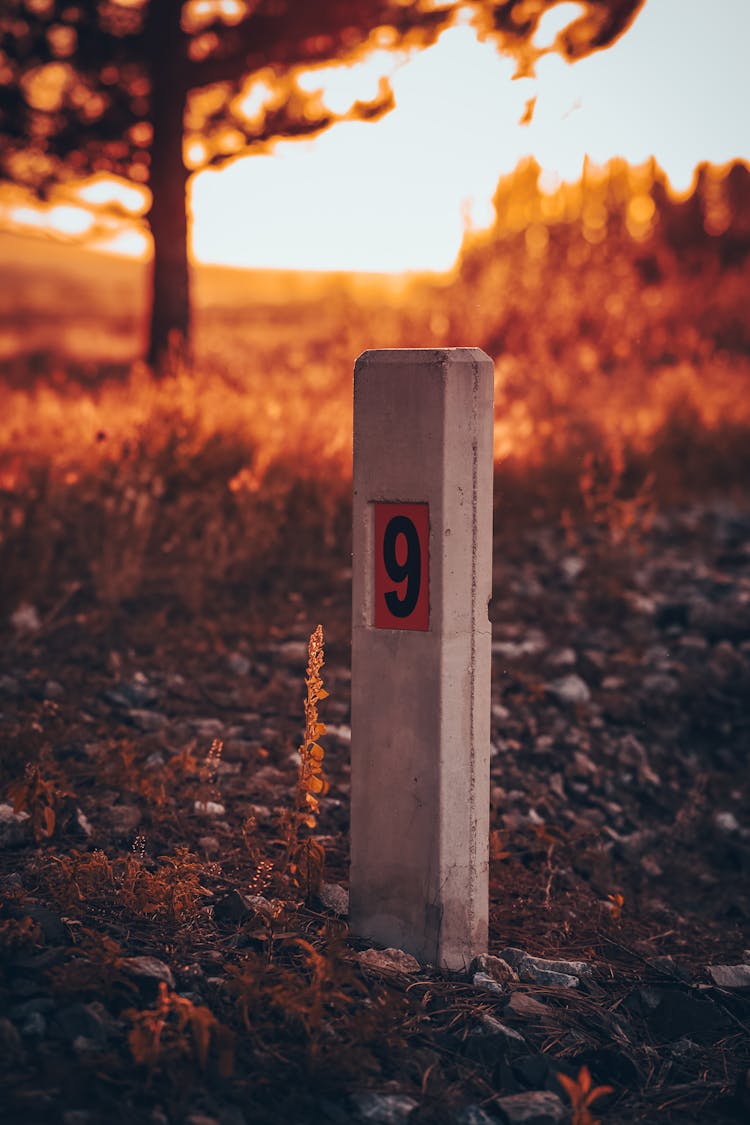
[402,566]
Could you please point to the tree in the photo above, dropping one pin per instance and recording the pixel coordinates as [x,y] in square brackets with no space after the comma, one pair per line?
[154,90]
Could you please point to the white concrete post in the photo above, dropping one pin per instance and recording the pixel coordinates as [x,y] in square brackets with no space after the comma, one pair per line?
[422,576]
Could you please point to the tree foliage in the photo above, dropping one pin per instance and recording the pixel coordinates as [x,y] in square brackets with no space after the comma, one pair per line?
[153,91]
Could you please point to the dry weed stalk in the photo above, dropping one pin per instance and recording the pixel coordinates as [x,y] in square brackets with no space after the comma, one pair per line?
[305,857]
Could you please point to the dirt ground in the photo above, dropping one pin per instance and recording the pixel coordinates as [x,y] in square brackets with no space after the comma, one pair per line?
[162,963]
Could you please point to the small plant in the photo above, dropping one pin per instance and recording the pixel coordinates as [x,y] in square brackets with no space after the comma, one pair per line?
[37,796]
[582,1095]
[159,1033]
[616,903]
[307,856]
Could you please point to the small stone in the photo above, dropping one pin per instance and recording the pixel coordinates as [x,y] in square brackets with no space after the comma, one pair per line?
[148,970]
[335,898]
[15,827]
[730,976]
[570,689]
[238,664]
[123,819]
[384,1109]
[53,690]
[562,658]
[530,965]
[537,1107]
[89,1022]
[208,728]
[209,845]
[520,1004]
[147,721]
[236,907]
[492,1026]
[35,1026]
[572,566]
[727,822]
[474,1115]
[340,731]
[292,652]
[388,961]
[25,619]
[548,977]
[487,984]
[209,808]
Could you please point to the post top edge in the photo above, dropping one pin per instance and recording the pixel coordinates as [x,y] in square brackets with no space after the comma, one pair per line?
[422,356]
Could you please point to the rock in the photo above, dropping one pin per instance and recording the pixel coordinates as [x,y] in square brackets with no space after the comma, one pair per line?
[236,907]
[520,1004]
[292,652]
[15,827]
[730,976]
[91,1023]
[384,1109]
[548,977]
[727,822]
[147,721]
[208,728]
[51,924]
[493,1027]
[123,819]
[534,969]
[335,898]
[572,566]
[341,731]
[25,619]
[537,1107]
[35,1026]
[209,845]
[9,685]
[238,664]
[148,971]
[473,1115]
[487,984]
[209,808]
[388,961]
[53,690]
[570,689]
[498,969]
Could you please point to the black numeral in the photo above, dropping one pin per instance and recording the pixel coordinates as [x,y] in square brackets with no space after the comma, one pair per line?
[409,571]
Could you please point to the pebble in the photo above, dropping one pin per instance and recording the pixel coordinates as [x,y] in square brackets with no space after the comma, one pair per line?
[727,822]
[148,969]
[335,898]
[570,689]
[473,1115]
[15,827]
[537,1107]
[730,976]
[388,961]
[487,984]
[384,1109]
[238,664]
[491,1026]
[26,619]
[147,721]
[209,808]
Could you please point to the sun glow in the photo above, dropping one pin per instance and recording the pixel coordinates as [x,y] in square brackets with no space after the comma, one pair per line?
[400,193]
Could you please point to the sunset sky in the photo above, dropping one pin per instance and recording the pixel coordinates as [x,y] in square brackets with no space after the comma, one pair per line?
[398,194]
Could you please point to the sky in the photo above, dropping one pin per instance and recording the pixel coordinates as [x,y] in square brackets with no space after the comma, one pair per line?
[399,193]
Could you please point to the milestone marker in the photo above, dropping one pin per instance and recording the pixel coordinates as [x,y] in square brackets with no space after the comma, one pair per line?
[422,576]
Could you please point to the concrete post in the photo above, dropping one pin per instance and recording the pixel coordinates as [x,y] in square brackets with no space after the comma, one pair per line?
[422,576]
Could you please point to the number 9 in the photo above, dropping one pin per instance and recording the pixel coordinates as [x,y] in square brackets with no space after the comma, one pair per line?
[410,570]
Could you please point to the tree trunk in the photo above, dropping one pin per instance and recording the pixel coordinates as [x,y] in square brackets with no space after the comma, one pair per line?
[169,336]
